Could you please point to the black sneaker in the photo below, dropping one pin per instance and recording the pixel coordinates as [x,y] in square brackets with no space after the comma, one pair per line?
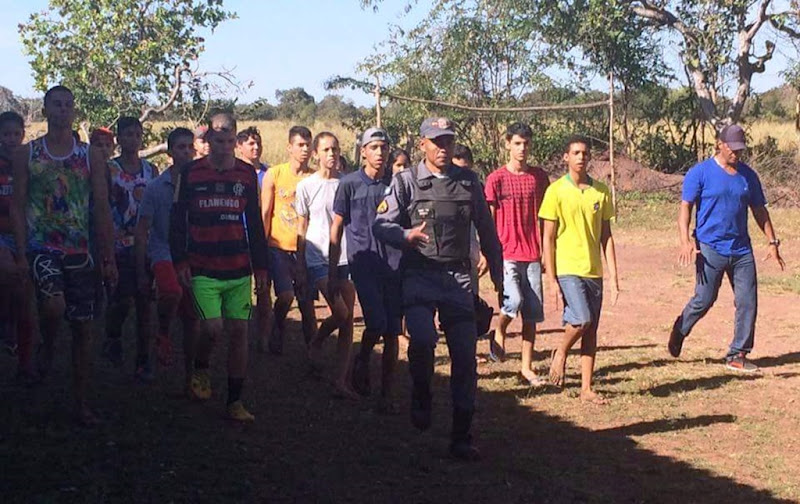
[676,339]
[740,364]
[421,409]
[463,450]
[112,349]
[361,376]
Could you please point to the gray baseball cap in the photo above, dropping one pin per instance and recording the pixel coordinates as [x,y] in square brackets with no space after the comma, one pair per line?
[374,134]
[434,127]
[733,135]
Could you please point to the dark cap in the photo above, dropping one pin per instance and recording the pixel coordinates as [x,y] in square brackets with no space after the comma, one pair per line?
[434,127]
[733,135]
[373,135]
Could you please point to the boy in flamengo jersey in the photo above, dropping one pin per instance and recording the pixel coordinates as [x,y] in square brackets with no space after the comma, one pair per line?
[129,175]
[15,314]
[213,250]
[55,177]
[152,243]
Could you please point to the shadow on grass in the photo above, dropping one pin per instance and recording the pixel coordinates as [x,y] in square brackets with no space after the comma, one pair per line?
[688,385]
[779,360]
[630,366]
[667,425]
[309,447]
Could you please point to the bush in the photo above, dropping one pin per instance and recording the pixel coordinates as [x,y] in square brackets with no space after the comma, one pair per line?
[655,152]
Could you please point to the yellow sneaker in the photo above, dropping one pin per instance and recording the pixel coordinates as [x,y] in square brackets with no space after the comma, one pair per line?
[237,412]
[200,385]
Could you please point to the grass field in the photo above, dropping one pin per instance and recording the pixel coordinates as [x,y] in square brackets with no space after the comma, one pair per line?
[680,430]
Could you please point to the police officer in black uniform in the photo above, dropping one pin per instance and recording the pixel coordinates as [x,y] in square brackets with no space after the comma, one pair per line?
[427,211]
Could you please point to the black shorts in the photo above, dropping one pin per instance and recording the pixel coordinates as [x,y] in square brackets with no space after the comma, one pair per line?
[127,283]
[71,276]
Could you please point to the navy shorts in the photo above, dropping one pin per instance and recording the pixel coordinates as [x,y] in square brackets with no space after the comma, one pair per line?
[282,267]
[583,299]
[72,276]
[381,300]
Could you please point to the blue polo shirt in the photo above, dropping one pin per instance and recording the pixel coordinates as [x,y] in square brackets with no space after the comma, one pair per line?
[261,170]
[357,199]
[156,204]
[722,202]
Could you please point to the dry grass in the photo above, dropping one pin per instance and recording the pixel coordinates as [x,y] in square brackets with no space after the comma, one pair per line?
[783,132]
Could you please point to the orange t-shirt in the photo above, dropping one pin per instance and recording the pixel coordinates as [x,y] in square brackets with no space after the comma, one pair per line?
[283,226]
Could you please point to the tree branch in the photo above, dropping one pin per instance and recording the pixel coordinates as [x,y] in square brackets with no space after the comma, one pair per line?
[759,22]
[173,94]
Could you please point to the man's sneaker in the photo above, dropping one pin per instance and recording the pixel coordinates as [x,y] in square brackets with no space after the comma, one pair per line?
[164,351]
[112,349]
[676,339]
[741,364]
[463,450]
[200,385]
[421,409]
[237,412]
[361,375]
[144,373]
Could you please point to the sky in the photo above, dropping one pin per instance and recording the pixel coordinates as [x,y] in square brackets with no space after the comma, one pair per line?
[263,44]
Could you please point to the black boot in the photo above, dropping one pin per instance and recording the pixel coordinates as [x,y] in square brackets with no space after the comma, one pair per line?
[421,406]
[461,444]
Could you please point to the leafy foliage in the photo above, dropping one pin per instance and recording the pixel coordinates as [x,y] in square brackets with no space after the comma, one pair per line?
[122,56]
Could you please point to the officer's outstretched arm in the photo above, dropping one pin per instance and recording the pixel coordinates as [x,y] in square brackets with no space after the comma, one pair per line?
[391,216]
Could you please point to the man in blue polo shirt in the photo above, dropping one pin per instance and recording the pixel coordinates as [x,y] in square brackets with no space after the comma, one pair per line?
[373,265]
[723,188]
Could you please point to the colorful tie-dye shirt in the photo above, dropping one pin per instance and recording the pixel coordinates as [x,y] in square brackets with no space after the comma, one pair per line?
[125,194]
[59,190]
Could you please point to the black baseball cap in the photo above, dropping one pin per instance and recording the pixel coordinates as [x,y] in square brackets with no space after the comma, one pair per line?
[733,135]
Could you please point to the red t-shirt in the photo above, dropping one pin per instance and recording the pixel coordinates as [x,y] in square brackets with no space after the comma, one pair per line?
[516,199]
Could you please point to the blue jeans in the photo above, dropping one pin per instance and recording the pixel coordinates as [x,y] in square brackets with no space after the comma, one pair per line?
[741,270]
[522,290]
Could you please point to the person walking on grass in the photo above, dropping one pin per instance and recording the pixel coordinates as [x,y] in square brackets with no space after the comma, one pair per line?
[153,257]
[314,205]
[129,175]
[16,318]
[280,226]
[373,264]
[577,212]
[55,178]
[514,193]
[723,188]
[428,211]
[215,253]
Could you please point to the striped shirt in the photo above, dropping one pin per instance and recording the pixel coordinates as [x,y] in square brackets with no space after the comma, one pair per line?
[207,230]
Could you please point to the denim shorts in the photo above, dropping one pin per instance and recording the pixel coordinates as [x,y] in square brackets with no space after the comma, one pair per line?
[522,290]
[317,273]
[583,299]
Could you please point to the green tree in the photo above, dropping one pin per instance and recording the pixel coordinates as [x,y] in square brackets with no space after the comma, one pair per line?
[295,104]
[120,57]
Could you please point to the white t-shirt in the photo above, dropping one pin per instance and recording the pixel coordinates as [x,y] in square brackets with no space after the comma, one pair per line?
[314,199]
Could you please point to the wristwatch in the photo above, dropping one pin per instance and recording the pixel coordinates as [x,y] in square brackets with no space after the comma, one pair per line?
[775,242]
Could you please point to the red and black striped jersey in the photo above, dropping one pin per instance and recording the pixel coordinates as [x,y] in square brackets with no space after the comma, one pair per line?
[6,193]
[207,228]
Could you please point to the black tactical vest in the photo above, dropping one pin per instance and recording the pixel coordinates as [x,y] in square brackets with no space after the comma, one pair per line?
[445,205]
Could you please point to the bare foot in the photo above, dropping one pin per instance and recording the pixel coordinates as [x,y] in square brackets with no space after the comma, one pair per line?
[558,367]
[593,397]
[533,379]
[342,391]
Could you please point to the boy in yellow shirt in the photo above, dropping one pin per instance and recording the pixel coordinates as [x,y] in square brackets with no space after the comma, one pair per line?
[577,212]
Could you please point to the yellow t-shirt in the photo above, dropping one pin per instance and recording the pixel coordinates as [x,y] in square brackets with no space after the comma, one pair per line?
[579,215]
[283,226]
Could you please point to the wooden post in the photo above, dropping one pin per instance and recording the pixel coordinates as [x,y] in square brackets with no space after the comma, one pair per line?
[611,139]
[377,101]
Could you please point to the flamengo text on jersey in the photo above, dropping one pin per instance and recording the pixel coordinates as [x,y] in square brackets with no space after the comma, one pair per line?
[218,203]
